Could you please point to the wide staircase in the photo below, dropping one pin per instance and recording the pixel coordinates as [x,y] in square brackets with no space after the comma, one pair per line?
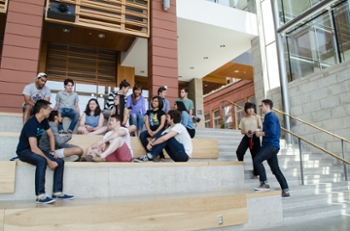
[325,193]
[157,193]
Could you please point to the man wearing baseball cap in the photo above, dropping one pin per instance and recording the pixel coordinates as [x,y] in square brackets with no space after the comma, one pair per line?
[32,93]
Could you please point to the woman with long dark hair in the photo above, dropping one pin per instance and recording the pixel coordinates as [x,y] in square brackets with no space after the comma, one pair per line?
[186,119]
[248,125]
[92,118]
[136,104]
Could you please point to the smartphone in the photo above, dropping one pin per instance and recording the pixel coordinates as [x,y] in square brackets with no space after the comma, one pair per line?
[130,108]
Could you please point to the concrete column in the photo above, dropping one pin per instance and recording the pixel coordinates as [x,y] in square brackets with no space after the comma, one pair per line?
[195,93]
[162,50]
[20,52]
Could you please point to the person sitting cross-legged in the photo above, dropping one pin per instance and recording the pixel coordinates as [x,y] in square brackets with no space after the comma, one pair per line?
[175,140]
[119,149]
[28,151]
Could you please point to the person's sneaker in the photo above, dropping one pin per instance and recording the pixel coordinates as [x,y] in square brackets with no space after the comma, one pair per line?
[263,187]
[61,132]
[98,159]
[45,199]
[71,158]
[63,196]
[87,158]
[143,158]
[285,195]
[198,119]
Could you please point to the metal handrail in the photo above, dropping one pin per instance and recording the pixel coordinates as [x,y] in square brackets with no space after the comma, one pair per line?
[303,139]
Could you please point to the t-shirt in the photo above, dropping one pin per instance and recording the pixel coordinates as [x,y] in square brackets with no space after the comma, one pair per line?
[32,128]
[182,137]
[35,93]
[126,138]
[138,108]
[188,103]
[186,120]
[252,124]
[154,118]
[67,101]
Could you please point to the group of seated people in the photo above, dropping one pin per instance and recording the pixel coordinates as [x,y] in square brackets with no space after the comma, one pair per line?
[126,115]
[43,141]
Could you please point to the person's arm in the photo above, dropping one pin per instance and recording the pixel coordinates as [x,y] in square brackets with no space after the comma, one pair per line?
[27,100]
[143,106]
[167,106]
[126,116]
[51,139]
[57,102]
[128,101]
[161,139]
[161,125]
[56,105]
[77,109]
[36,150]
[59,140]
[82,120]
[115,134]
[146,122]
[184,119]
[100,122]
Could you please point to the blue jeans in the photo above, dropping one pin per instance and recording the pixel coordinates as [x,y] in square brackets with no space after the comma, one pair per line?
[269,153]
[144,140]
[137,120]
[175,150]
[40,171]
[72,114]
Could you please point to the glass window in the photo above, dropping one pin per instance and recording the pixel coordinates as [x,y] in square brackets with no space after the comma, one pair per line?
[239,112]
[207,120]
[228,116]
[342,25]
[217,119]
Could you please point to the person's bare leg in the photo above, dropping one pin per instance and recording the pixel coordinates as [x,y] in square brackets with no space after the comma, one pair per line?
[82,130]
[26,113]
[99,131]
[117,143]
[73,151]
[132,128]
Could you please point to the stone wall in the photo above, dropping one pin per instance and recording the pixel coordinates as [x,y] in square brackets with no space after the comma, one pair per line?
[322,99]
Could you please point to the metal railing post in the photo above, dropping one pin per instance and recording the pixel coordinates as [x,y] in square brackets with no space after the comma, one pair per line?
[223,109]
[342,151]
[301,163]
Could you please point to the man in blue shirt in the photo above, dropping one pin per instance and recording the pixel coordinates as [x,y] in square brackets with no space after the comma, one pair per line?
[28,151]
[270,147]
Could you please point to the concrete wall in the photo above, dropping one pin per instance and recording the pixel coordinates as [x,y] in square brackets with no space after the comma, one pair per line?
[322,99]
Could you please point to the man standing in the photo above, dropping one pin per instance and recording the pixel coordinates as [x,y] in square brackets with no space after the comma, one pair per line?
[123,90]
[28,151]
[188,103]
[33,92]
[162,91]
[270,147]
[67,104]
[175,140]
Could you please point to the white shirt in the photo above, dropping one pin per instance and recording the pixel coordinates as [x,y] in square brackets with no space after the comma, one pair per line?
[182,137]
[126,138]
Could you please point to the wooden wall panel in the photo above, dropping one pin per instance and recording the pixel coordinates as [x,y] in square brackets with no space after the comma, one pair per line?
[7,176]
[168,214]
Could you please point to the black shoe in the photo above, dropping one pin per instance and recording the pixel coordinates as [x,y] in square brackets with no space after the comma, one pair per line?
[198,119]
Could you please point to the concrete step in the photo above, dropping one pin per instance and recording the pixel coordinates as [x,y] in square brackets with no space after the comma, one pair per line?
[315,199]
[101,180]
[302,214]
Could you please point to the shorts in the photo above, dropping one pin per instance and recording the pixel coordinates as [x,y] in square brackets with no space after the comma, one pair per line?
[122,154]
[60,153]
[31,111]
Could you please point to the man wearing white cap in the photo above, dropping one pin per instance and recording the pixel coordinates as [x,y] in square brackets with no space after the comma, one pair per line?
[32,93]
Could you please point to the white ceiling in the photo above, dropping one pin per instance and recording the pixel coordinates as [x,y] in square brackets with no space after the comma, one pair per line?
[202,28]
